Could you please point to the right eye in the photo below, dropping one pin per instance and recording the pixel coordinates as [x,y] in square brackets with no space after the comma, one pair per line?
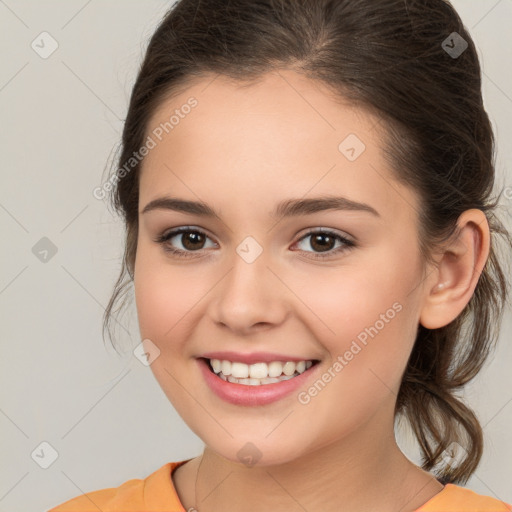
[192,240]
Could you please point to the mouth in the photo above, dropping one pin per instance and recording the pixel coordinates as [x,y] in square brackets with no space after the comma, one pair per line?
[259,373]
[256,382]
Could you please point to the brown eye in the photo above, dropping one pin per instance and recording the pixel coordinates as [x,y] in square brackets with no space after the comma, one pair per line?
[323,243]
[190,240]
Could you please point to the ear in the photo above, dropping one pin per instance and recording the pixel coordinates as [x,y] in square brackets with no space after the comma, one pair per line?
[461,263]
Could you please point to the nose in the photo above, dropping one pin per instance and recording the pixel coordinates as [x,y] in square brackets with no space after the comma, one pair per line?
[250,297]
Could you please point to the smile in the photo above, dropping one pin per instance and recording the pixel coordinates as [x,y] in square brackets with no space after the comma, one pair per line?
[258,373]
[256,391]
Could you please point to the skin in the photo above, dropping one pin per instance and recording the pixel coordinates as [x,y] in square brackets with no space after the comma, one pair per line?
[242,150]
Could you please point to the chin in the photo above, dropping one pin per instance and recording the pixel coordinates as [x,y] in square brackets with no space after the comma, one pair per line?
[258,452]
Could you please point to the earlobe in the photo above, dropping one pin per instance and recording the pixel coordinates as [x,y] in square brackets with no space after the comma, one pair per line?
[459,268]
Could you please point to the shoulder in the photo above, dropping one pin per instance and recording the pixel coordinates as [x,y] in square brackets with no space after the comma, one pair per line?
[155,493]
[454,498]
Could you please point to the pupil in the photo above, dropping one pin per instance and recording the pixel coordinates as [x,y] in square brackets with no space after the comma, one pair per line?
[194,237]
[317,239]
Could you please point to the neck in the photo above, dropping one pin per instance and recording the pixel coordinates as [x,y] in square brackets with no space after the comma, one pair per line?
[362,472]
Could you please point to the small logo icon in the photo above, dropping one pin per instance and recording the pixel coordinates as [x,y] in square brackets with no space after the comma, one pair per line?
[453,454]
[44,250]
[146,352]
[249,249]
[454,45]
[249,454]
[351,147]
[44,45]
[44,455]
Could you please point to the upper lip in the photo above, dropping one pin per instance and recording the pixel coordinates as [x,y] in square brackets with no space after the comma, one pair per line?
[253,357]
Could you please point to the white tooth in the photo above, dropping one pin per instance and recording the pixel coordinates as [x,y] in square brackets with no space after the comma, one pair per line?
[258,373]
[240,370]
[226,368]
[289,368]
[275,368]
[258,370]
[249,382]
[269,380]
[216,365]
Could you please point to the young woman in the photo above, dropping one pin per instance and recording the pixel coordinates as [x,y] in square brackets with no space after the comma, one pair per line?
[310,232]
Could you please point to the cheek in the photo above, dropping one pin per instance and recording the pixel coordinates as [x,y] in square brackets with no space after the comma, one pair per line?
[353,297]
[366,311]
[164,293]
[159,296]
[164,298]
[373,335]
[153,297]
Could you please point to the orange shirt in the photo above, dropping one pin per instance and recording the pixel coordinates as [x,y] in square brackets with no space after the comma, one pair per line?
[156,493]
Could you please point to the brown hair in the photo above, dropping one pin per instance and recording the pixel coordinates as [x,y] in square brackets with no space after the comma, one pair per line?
[386,56]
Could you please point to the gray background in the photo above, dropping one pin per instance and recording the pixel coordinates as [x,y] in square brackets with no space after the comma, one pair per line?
[105,415]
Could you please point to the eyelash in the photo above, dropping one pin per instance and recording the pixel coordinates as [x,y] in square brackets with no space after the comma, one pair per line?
[165,237]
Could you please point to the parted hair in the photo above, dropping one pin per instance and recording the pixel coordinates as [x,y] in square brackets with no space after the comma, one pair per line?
[389,57]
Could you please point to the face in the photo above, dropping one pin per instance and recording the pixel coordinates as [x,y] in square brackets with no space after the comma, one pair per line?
[338,284]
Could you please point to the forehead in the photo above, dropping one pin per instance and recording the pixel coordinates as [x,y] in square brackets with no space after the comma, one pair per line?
[281,136]
[285,101]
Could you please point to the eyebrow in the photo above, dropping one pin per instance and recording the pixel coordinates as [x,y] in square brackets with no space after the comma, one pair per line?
[287,208]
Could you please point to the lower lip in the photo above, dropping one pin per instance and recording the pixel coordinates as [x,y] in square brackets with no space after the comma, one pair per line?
[241,394]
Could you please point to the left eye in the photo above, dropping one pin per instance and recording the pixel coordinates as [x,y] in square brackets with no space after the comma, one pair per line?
[324,242]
